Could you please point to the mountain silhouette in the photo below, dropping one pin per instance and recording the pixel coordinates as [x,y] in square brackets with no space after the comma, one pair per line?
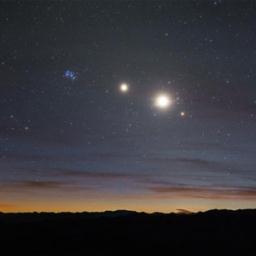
[215,232]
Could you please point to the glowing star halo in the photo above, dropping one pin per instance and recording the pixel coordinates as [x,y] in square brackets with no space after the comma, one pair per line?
[182,113]
[124,88]
[162,101]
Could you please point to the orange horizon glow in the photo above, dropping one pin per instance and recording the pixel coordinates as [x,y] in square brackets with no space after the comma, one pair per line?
[164,206]
[55,197]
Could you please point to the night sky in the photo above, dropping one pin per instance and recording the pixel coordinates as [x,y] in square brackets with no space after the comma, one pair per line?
[180,132]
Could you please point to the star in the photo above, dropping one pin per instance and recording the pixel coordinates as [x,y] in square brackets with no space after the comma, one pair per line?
[162,101]
[124,87]
[182,114]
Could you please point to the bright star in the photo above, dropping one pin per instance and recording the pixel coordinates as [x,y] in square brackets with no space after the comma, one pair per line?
[124,87]
[182,113]
[162,101]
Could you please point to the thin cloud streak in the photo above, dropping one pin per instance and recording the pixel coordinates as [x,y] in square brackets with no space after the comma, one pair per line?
[205,192]
[31,186]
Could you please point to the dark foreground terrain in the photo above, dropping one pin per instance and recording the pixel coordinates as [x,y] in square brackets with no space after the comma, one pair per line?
[122,232]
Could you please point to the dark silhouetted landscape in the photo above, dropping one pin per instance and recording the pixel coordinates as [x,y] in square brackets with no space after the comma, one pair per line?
[215,232]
